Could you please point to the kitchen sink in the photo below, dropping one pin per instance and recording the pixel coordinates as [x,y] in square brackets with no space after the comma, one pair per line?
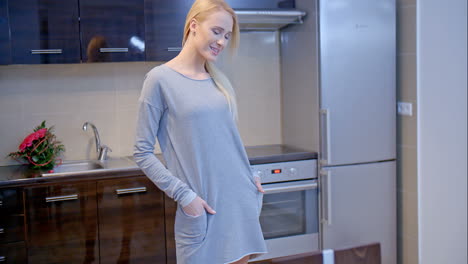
[75,167]
[111,165]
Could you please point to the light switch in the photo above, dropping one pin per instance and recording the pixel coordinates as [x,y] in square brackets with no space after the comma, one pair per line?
[405,108]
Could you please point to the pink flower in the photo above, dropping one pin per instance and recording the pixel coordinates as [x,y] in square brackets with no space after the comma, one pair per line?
[27,142]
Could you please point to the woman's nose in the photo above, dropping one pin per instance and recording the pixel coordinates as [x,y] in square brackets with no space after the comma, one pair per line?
[221,41]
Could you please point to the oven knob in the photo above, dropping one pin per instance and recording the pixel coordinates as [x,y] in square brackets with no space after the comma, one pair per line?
[259,173]
[293,171]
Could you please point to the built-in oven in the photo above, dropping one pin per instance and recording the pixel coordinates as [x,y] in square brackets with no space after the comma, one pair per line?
[290,213]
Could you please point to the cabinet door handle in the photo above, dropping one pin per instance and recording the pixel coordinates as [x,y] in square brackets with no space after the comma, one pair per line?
[174,49]
[61,198]
[326,196]
[131,190]
[46,51]
[109,50]
[325,136]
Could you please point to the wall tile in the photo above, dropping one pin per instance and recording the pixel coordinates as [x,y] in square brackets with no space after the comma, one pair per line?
[407,169]
[406,77]
[254,73]
[67,95]
[409,211]
[406,29]
[407,129]
[126,123]
[405,2]
[12,131]
[409,254]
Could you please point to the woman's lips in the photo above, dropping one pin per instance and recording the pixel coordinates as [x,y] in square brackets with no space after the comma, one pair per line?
[215,51]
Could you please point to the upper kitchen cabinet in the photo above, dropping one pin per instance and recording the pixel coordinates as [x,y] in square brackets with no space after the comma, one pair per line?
[112,30]
[5,48]
[164,21]
[44,31]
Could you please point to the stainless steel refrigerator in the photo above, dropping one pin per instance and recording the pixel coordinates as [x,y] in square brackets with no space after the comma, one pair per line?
[345,55]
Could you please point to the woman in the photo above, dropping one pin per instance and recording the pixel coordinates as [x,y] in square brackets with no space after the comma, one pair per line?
[190,107]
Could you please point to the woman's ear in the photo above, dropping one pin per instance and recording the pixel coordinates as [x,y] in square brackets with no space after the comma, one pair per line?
[193,25]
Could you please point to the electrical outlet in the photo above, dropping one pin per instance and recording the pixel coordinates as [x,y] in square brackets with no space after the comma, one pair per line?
[405,108]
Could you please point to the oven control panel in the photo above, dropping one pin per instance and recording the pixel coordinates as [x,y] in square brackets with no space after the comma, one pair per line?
[286,171]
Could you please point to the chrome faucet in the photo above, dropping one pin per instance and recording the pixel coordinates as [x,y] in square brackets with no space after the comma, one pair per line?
[100,149]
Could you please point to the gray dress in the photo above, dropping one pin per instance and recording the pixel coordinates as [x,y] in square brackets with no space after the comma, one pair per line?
[205,156]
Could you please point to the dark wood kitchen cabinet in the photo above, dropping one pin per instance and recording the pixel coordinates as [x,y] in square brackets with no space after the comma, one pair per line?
[5,44]
[164,22]
[131,221]
[261,4]
[112,30]
[44,31]
[62,223]
[12,246]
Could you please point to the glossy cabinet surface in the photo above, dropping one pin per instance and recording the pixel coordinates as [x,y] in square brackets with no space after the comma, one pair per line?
[263,4]
[112,30]
[11,228]
[12,245]
[5,48]
[62,223]
[13,253]
[131,221]
[170,207]
[73,31]
[164,22]
[11,201]
[44,31]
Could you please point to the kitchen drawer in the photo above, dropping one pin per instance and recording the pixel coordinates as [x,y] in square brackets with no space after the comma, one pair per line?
[11,228]
[13,253]
[11,202]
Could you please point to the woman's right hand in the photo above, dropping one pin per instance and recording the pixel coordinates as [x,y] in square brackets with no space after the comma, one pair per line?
[196,207]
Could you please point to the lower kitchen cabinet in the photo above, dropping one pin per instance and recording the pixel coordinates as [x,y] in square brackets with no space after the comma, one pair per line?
[131,221]
[12,245]
[62,223]
[13,253]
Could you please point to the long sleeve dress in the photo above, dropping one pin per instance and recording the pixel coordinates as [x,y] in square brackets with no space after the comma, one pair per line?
[205,156]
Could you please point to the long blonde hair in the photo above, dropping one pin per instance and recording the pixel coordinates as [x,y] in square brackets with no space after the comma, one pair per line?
[200,11]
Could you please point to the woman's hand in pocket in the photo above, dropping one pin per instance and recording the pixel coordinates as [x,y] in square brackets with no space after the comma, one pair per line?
[258,183]
[197,206]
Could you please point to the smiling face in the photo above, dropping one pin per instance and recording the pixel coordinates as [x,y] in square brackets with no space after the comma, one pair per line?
[211,35]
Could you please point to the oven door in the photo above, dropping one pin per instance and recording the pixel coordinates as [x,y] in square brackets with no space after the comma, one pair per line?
[289,218]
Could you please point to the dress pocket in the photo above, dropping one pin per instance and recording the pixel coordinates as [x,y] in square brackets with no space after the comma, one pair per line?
[189,229]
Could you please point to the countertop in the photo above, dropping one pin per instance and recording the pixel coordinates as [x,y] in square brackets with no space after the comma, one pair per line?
[20,175]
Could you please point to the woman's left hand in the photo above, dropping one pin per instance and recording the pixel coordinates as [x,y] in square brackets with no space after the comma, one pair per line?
[258,183]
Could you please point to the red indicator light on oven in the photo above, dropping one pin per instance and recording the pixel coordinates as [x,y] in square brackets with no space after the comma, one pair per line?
[276,171]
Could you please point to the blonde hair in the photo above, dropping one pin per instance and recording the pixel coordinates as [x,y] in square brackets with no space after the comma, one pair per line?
[200,10]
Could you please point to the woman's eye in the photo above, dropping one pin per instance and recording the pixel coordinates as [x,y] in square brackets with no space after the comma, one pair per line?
[216,32]
[227,36]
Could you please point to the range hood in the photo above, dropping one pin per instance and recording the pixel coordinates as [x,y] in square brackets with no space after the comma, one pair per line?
[267,20]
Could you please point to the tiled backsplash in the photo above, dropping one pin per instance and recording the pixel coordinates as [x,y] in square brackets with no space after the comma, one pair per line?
[67,95]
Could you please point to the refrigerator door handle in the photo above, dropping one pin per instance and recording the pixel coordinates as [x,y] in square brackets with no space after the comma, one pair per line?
[325,136]
[327,197]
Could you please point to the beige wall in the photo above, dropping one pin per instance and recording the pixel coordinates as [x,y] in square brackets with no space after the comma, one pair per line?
[407,134]
[67,95]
